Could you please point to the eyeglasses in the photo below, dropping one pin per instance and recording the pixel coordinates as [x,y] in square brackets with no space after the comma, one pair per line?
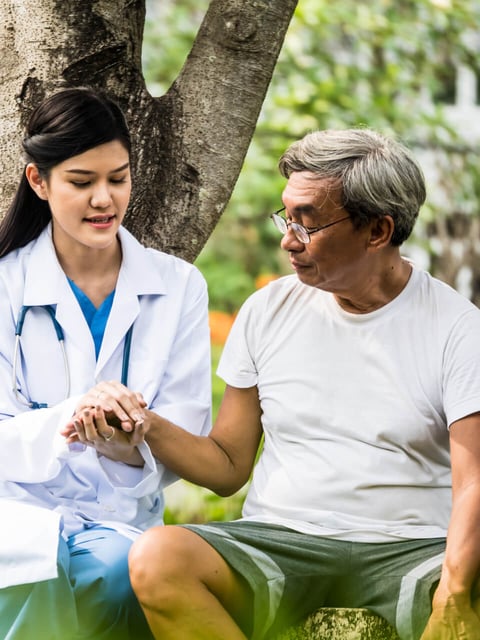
[301,233]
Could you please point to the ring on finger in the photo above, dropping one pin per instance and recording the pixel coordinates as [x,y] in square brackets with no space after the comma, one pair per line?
[110,435]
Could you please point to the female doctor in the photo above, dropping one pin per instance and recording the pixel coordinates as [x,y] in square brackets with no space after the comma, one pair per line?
[94,328]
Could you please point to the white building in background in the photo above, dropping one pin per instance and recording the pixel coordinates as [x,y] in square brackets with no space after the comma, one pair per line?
[464,114]
[460,102]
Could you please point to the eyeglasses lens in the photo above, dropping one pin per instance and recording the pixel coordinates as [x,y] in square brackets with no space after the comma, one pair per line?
[300,233]
[282,225]
[279,222]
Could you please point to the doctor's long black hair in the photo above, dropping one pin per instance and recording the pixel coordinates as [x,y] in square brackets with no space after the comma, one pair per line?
[64,125]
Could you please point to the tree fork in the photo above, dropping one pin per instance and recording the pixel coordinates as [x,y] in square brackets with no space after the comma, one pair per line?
[188,145]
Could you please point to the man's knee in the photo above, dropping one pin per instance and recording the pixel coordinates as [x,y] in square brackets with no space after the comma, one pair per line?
[162,556]
[171,567]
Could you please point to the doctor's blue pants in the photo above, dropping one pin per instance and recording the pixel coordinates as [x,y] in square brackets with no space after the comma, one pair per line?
[91,599]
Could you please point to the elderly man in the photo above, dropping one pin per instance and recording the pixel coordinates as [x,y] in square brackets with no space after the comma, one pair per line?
[362,374]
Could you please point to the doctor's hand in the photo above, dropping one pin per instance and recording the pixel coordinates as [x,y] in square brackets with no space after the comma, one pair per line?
[90,427]
[123,408]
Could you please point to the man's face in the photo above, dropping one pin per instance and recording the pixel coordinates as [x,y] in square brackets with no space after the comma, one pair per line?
[335,259]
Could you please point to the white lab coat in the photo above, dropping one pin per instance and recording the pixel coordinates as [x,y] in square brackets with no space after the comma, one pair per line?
[45,486]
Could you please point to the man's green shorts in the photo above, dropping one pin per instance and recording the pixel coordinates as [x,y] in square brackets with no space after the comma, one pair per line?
[292,574]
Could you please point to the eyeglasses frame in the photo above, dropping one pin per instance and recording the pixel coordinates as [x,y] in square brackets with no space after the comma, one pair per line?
[296,226]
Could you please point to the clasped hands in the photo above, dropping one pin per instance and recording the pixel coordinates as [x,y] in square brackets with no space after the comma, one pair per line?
[110,418]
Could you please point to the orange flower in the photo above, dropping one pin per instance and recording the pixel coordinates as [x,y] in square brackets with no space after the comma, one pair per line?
[220,324]
[264,278]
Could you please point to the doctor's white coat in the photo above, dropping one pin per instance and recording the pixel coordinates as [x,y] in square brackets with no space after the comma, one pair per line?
[45,486]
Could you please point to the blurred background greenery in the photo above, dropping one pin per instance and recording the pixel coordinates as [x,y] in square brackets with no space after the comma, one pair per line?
[408,68]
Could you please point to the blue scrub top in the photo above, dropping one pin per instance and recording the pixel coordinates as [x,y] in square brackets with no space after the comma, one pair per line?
[96,318]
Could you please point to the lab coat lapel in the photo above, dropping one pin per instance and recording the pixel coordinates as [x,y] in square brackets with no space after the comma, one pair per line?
[137,277]
[125,309]
[47,284]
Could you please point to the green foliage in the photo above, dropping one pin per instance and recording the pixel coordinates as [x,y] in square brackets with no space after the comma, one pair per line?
[218,385]
[229,282]
[385,64]
[189,503]
[170,30]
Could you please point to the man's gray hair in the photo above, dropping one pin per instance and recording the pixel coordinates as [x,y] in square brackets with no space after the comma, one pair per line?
[378,175]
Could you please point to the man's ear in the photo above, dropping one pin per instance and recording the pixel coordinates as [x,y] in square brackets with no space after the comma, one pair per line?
[36,181]
[381,231]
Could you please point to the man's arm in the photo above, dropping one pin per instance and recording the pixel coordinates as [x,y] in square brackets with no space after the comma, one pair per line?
[453,615]
[221,461]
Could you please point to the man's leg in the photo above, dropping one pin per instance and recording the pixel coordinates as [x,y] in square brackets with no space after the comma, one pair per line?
[395,580]
[186,588]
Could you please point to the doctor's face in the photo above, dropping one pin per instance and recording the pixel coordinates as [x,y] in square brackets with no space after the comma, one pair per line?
[88,195]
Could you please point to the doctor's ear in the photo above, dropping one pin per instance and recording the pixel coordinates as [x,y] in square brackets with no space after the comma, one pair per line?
[36,181]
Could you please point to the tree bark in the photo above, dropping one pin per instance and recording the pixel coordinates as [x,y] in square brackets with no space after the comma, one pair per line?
[188,145]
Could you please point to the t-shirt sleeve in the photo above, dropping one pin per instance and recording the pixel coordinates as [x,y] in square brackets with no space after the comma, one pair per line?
[461,368]
[237,362]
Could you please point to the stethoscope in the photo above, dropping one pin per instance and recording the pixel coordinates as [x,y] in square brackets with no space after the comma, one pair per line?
[61,339]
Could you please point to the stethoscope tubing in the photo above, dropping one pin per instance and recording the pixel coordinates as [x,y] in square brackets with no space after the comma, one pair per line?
[61,339]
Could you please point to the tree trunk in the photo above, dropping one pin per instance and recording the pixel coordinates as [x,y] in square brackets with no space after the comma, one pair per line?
[188,145]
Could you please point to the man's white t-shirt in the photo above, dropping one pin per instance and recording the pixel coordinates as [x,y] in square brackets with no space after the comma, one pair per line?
[356,407]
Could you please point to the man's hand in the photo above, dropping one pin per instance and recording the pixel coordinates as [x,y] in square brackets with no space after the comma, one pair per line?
[454,619]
